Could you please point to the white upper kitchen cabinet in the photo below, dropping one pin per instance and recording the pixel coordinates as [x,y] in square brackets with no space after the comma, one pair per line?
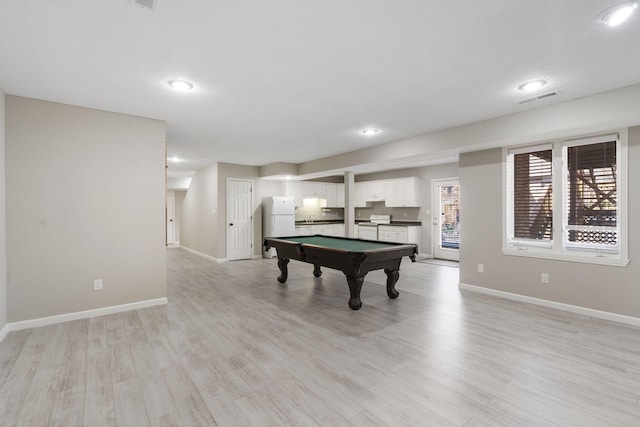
[294,189]
[402,192]
[396,193]
[389,188]
[331,192]
[374,191]
[368,191]
[340,196]
[335,195]
[360,200]
[314,189]
[332,195]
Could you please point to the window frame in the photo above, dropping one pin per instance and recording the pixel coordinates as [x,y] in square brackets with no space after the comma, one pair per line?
[513,241]
[558,249]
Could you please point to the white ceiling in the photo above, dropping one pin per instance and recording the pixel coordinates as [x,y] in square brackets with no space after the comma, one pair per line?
[297,80]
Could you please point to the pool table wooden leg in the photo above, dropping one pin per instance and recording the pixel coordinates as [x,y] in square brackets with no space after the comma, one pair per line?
[282,265]
[316,270]
[355,285]
[392,278]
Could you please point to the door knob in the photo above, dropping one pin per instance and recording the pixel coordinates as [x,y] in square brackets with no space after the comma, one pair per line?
[231,224]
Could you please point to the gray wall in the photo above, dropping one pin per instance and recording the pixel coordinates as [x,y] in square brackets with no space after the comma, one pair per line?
[198,228]
[179,201]
[85,199]
[606,288]
[204,231]
[3,235]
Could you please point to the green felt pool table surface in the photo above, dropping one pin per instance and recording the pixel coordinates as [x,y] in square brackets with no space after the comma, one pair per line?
[353,245]
[354,257]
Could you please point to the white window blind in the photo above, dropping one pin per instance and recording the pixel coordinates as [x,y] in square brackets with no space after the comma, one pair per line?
[592,197]
[566,200]
[533,196]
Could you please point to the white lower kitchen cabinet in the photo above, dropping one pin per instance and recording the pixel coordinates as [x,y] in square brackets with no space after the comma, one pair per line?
[337,230]
[399,233]
[324,229]
[303,230]
[368,232]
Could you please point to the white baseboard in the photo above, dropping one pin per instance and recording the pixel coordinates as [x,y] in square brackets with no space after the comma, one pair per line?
[4,332]
[52,320]
[620,318]
[203,255]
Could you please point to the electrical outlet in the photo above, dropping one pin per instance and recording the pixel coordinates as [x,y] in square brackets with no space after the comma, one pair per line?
[97,285]
[544,277]
[480,268]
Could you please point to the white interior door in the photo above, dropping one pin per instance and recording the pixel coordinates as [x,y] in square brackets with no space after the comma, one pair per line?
[171,211]
[239,218]
[446,221]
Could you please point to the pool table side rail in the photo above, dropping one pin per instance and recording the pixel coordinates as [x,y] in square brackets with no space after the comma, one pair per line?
[295,250]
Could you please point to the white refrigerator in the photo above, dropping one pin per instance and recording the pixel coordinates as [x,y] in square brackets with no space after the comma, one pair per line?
[278,219]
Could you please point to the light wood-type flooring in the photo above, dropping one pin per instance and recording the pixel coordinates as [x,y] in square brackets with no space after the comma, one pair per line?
[235,348]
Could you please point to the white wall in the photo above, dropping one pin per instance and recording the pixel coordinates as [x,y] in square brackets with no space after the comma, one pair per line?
[85,200]
[3,236]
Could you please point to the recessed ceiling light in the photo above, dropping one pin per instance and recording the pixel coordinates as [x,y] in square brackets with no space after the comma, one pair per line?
[616,15]
[370,132]
[174,159]
[180,84]
[532,85]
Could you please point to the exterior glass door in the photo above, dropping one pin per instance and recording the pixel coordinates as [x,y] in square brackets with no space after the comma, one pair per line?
[446,205]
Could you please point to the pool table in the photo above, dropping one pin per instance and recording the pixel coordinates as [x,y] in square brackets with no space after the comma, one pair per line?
[354,257]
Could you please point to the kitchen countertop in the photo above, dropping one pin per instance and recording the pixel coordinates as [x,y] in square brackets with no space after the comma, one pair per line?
[407,223]
[322,222]
[340,221]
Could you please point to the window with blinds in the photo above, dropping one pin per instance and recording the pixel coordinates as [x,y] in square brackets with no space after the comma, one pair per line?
[592,196]
[533,195]
[565,200]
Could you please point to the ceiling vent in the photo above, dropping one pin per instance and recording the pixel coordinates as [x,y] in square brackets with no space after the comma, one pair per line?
[147,4]
[544,95]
